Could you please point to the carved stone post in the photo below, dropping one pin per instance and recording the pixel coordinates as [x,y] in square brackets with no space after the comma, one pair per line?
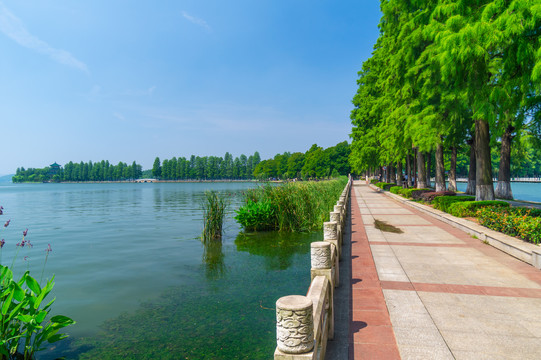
[294,324]
[320,255]
[343,209]
[330,234]
[335,217]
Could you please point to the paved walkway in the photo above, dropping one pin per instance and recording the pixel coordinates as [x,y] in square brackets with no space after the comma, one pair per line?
[433,291]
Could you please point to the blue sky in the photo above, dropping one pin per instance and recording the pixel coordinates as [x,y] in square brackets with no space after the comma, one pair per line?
[132,80]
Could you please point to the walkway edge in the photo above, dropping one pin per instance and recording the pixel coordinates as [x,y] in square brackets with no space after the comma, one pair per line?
[529,253]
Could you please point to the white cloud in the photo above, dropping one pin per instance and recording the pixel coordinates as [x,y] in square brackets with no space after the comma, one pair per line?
[196,21]
[119,116]
[14,28]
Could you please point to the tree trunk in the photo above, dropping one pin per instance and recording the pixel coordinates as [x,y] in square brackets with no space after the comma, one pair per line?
[503,189]
[388,174]
[381,174]
[414,175]
[399,181]
[440,169]
[393,174]
[452,170]
[421,170]
[484,189]
[470,189]
[428,157]
[408,170]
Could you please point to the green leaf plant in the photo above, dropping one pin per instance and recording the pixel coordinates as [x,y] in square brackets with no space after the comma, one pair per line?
[25,322]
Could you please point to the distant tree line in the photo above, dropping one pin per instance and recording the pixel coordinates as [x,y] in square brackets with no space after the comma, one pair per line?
[315,163]
[206,167]
[83,171]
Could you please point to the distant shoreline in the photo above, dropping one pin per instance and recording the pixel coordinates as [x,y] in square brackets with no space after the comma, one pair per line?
[149,181]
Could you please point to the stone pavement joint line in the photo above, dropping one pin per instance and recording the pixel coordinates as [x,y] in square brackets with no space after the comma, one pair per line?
[433,291]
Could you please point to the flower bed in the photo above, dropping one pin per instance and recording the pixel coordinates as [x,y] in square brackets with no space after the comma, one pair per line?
[521,222]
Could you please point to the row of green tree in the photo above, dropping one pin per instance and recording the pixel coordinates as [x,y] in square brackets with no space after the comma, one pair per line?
[315,163]
[206,167]
[83,171]
[451,77]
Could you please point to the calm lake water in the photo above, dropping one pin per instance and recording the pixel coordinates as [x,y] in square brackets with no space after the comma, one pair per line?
[132,272]
[521,191]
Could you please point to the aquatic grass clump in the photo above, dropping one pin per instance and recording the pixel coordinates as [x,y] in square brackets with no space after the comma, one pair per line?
[214,207]
[293,206]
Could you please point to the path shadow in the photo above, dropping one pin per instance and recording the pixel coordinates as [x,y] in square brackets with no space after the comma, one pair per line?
[357,326]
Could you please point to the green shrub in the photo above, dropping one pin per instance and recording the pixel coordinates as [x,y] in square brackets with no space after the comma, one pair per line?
[395,189]
[374,181]
[257,216]
[385,185]
[402,191]
[520,222]
[443,202]
[408,193]
[469,208]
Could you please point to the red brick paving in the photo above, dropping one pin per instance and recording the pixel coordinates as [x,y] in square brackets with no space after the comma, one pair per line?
[371,333]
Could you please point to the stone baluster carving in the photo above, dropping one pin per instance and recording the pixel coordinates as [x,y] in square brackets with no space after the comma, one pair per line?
[294,324]
[320,255]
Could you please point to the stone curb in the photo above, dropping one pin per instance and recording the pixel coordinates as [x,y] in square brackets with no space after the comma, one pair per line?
[527,252]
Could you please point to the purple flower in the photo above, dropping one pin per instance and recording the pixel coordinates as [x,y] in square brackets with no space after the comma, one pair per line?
[7,223]
[48,250]
[25,258]
[25,232]
[2,242]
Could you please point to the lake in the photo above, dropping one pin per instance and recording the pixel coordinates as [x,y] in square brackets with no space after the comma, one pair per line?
[131,270]
[521,191]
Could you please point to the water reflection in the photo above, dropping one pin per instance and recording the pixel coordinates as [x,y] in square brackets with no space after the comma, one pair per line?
[277,248]
[213,259]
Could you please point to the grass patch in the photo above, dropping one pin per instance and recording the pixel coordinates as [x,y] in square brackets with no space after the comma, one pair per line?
[293,206]
[214,207]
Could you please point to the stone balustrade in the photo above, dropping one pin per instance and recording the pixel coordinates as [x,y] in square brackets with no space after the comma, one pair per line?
[305,323]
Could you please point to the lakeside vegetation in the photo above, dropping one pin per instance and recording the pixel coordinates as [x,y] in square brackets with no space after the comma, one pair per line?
[455,86]
[293,206]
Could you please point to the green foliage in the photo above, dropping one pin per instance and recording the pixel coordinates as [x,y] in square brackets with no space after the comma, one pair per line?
[384,185]
[443,202]
[22,328]
[469,208]
[297,206]
[99,171]
[438,67]
[214,206]
[257,216]
[395,189]
[523,223]
[410,192]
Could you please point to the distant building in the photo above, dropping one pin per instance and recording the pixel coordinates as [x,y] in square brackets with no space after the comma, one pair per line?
[54,169]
